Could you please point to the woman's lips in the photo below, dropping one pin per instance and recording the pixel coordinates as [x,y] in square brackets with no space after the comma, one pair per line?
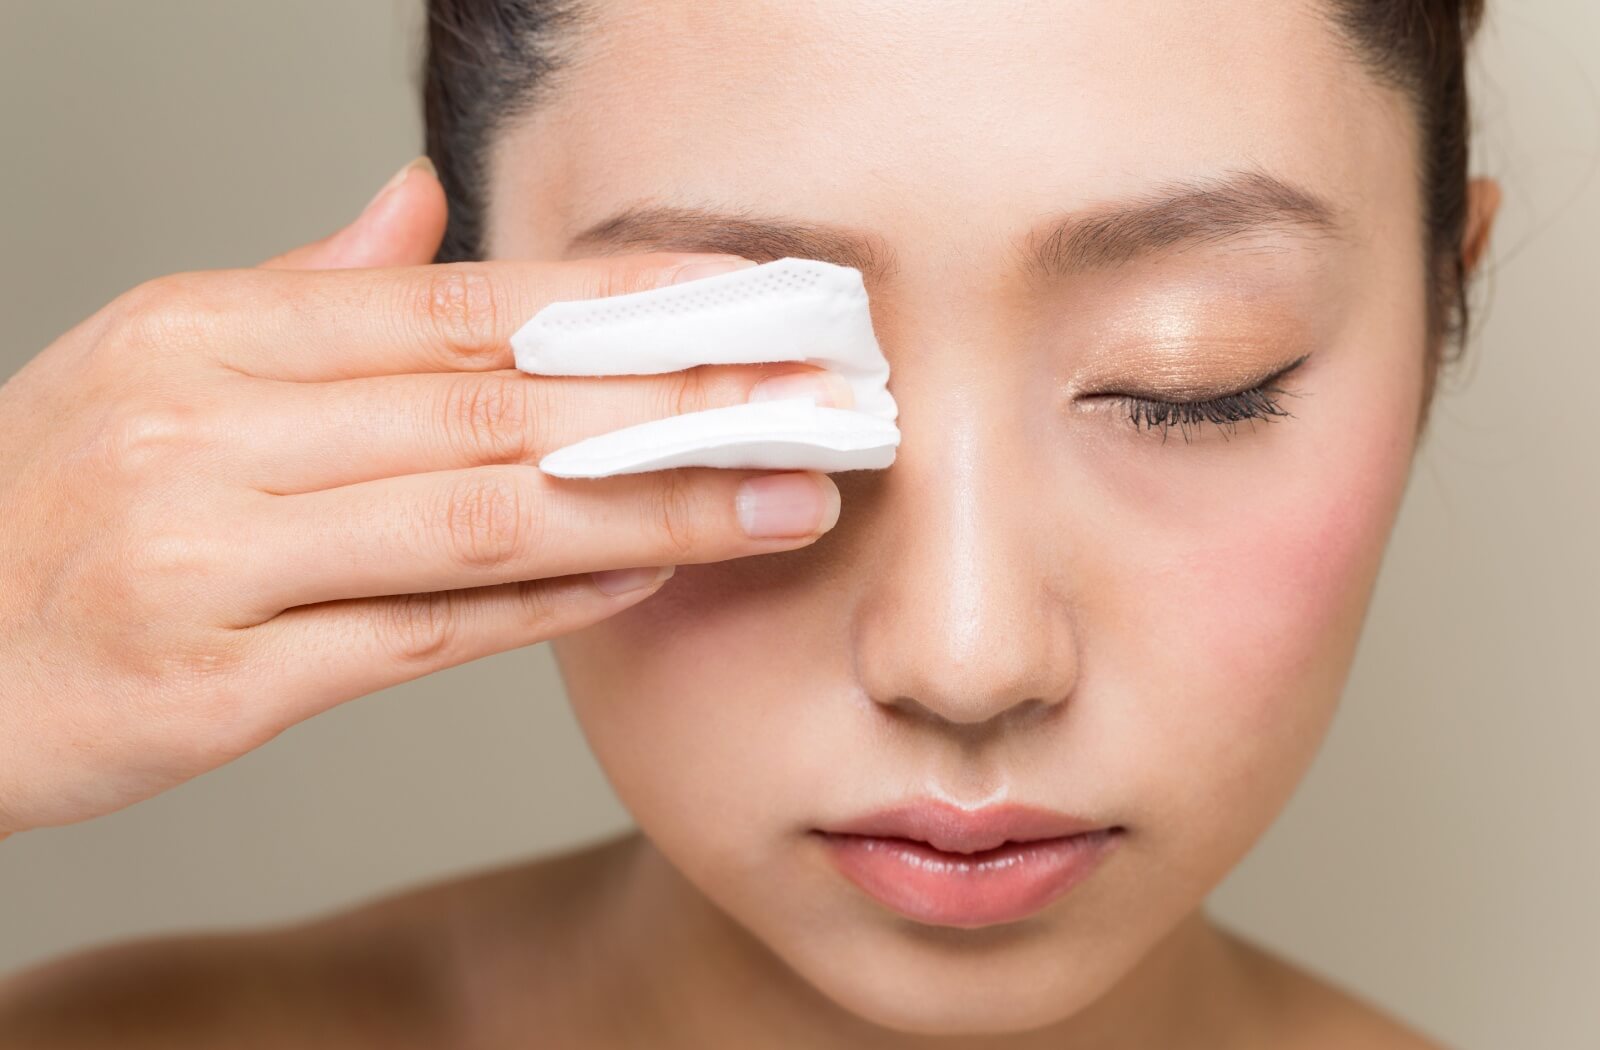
[939,864]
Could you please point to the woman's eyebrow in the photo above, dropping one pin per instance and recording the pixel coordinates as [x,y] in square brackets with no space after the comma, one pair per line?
[763,238]
[1176,216]
[1164,220]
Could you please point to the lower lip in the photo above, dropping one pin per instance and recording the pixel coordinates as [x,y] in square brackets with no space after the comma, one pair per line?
[1000,885]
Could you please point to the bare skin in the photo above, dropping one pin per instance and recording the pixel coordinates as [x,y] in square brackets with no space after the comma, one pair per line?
[647,941]
[541,953]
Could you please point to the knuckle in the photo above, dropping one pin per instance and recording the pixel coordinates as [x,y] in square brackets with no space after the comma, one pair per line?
[545,405]
[461,313]
[155,568]
[488,418]
[187,678]
[613,276]
[153,297]
[488,521]
[673,515]
[687,391]
[171,310]
[536,612]
[137,438]
[420,628]
[204,660]
[152,647]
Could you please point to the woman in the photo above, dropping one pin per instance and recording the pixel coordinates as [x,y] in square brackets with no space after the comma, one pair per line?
[1165,288]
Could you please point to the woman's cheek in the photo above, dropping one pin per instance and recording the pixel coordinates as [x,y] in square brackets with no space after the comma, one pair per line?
[1236,631]
[703,639]
[683,698]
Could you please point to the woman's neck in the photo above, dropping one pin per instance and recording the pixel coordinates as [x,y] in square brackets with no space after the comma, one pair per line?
[697,978]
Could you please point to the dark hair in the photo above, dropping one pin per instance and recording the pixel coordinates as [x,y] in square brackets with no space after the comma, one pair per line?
[489,61]
[1420,47]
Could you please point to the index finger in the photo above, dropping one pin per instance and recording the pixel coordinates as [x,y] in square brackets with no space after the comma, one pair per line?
[311,325]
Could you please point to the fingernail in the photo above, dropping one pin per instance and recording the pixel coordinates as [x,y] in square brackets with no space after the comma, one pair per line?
[420,164]
[621,581]
[709,268]
[829,388]
[787,505]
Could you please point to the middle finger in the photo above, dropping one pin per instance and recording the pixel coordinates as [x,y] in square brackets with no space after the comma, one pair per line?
[305,437]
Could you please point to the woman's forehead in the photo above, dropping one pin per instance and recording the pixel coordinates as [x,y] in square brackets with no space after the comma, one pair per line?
[867,111]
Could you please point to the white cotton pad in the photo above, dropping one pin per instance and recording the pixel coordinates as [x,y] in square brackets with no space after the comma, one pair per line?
[785,310]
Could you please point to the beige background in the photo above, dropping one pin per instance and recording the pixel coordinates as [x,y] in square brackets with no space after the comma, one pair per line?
[1442,858]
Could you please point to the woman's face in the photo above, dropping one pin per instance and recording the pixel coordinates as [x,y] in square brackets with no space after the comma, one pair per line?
[1038,602]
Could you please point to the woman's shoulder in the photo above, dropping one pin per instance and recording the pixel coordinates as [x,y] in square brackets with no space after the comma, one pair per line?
[1310,1011]
[398,972]
[205,990]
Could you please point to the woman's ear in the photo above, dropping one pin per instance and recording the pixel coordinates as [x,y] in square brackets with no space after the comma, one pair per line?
[1483,204]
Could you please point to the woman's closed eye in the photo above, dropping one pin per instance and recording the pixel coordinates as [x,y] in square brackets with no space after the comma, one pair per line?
[1149,412]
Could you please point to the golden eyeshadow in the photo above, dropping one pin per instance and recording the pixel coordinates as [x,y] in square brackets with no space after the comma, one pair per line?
[1189,340]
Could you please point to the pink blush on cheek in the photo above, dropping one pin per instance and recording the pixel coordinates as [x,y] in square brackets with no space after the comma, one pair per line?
[1286,596]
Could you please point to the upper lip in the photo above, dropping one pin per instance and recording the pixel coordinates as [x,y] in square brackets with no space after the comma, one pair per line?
[952,829]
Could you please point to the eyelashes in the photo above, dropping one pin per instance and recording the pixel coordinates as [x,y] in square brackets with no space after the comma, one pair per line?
[1227,411]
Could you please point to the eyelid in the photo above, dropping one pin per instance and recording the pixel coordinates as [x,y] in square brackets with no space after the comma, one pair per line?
[1249,386]
[1226,411]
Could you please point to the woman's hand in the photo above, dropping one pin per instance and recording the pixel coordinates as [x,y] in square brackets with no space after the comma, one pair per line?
[235,499]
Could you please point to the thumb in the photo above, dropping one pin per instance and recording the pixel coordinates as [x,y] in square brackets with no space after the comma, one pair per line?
[402,226]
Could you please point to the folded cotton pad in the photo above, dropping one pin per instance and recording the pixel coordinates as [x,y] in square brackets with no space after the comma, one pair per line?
[786,310]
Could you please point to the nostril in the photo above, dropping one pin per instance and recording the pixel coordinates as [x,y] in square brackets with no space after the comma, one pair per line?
[977,720]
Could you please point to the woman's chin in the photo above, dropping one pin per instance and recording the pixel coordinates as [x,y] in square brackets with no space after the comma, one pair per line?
[962,999]
[916,978]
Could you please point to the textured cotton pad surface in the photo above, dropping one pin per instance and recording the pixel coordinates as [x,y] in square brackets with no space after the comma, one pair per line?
[786,310]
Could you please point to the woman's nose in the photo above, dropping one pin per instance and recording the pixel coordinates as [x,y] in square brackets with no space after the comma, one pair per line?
[963,615]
